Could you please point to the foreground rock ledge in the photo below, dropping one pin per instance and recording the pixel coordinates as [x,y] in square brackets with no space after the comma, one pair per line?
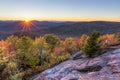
[104,67]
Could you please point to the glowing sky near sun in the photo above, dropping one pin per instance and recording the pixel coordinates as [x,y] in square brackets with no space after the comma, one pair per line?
[70,10]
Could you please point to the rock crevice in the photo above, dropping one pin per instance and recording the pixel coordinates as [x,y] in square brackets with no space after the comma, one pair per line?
[104,67]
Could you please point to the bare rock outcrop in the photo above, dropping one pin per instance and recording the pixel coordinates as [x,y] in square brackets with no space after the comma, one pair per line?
[104,67]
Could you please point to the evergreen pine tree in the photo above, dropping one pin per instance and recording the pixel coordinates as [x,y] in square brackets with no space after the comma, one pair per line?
[91,47]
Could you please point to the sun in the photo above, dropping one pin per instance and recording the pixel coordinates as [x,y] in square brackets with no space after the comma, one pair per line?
[28,25]
[27,20]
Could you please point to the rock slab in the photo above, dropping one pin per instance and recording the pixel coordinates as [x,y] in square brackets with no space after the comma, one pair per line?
[104,67]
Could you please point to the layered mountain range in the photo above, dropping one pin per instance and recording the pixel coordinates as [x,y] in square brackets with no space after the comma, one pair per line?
[64,29]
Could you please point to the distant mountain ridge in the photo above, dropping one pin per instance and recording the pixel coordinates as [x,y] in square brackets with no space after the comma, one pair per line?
[60,28]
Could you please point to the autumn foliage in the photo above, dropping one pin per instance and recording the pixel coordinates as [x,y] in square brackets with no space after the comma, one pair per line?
[23,57]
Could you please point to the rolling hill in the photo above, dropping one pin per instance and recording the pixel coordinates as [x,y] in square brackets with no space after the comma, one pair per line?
[64,29]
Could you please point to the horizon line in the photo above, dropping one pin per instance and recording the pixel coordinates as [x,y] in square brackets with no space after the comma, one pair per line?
[73,19]
[62,20]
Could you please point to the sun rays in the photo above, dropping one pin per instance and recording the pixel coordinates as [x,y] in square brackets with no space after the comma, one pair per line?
[28,26]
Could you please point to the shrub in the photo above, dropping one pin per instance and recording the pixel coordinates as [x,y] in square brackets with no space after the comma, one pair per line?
[26,56]
[91,47]
[12,42]
[83,40]
[52,40]
[69,45]
[118,35]
[41,48]
[16,77]
[108,40]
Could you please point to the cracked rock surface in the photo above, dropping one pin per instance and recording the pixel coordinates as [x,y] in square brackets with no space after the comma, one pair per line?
[104,67]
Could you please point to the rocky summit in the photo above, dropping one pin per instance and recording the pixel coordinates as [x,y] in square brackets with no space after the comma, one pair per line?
[104,67]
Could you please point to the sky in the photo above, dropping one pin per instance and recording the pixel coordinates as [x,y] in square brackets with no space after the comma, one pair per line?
[60,10]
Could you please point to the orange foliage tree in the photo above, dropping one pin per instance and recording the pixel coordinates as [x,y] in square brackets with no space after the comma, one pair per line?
[108,39]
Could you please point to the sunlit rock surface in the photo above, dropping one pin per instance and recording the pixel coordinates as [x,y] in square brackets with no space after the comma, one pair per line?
[104,67]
